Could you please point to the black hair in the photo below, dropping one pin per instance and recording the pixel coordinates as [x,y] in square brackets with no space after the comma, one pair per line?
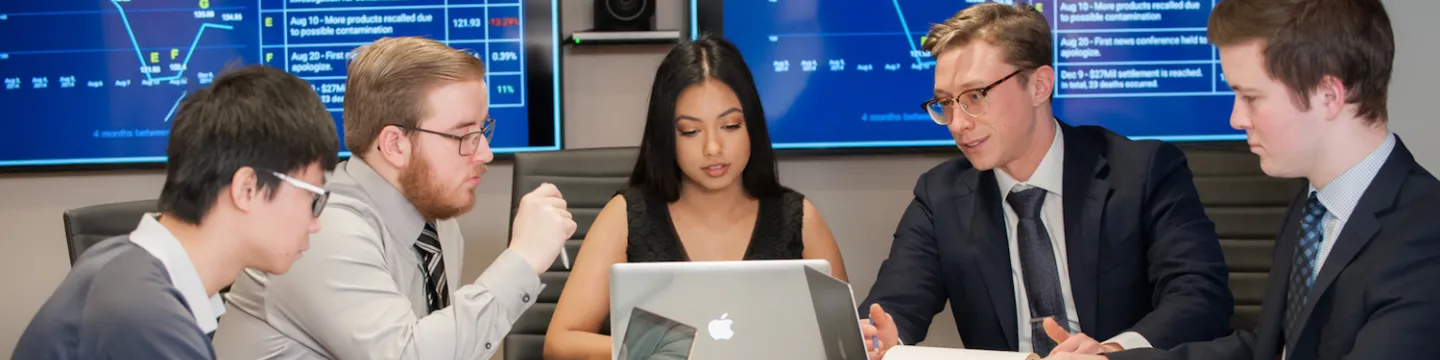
[691,63]
[254,116]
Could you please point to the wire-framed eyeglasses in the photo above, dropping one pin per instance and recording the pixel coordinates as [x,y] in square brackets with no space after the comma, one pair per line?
[470,142]
[973,102]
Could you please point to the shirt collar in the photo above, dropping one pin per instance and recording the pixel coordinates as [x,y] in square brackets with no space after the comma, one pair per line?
[1342,195]
[395,210]
[163,245]
[1048,175]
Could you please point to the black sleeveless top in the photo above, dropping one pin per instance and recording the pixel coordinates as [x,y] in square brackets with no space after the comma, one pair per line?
[653,238]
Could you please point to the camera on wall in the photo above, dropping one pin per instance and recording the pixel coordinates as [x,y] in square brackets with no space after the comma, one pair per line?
[624,22]
[624,15]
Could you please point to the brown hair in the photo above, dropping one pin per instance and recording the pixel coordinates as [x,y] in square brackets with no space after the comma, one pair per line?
[1020,30]
[387,80]
[1305,40]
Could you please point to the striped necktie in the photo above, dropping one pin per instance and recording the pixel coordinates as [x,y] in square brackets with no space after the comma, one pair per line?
[432,264]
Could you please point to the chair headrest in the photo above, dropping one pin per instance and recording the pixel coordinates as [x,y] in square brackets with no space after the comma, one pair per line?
[88,225]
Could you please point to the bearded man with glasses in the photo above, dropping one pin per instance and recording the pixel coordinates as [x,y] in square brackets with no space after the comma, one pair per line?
[1043,229]
[382,280]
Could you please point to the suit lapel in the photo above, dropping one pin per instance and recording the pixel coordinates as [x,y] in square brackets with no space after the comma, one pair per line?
[980,199]
[1084,203]
[1359,229]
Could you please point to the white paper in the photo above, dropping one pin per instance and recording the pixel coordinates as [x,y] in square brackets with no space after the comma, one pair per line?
[906,352]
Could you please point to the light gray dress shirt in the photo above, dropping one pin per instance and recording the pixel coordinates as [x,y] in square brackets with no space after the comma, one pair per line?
[359,292]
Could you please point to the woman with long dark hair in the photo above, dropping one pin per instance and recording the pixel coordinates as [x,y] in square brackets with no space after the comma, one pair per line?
[705,188]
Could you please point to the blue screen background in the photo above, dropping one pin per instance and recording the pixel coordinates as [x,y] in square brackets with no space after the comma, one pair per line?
[97,81]
[851,73]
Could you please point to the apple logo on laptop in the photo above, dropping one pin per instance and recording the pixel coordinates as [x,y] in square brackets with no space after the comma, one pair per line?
[720,328]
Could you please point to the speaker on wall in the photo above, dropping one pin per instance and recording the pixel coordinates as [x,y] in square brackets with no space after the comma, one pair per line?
[624,15]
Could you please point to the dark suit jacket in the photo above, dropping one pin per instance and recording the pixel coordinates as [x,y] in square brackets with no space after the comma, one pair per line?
[1142,254]
[1377,295]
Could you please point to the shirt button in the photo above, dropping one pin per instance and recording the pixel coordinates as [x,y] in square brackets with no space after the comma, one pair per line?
[487,346]
[525,298]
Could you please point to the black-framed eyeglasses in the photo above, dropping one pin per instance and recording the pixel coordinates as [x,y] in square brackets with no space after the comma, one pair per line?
[971,101]
[470,142]
[318,196]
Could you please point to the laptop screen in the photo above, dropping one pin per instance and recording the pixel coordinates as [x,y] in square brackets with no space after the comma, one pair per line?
[651,336]
[839,323]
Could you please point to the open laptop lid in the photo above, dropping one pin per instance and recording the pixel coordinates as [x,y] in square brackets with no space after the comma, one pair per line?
[700,294]
[836,316]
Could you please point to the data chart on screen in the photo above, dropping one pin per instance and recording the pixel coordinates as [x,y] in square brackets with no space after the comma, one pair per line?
[854,73]
[99,81]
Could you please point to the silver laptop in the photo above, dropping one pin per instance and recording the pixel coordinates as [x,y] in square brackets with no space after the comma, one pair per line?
[765,309]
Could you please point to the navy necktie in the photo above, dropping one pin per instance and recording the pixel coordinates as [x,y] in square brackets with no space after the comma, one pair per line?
[432,264]
[1302,272]
[1037,263]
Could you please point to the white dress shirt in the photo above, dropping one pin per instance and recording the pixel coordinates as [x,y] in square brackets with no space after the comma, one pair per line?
[1049,176]
[1342,195]
[163,245]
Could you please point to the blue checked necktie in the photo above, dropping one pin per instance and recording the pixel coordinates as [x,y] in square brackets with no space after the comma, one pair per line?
[1302,273]
[432,264]
[1037,263]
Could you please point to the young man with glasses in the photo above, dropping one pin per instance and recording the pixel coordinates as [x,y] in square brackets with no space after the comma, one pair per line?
[1042,228]
[382,280]
[1357,260]
[246,159]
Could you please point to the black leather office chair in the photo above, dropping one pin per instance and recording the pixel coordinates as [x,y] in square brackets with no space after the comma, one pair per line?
[1248,209]
[86,226]
[588,178]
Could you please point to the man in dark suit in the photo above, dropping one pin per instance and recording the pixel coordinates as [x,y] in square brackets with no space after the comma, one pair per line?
[1355,267]
[1101,234]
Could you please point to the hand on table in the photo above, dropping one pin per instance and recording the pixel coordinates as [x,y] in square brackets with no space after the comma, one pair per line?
[1074,356]
[1077,344]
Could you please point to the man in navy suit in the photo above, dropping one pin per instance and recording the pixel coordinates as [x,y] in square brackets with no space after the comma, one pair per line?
[1356,266]
[1039,219]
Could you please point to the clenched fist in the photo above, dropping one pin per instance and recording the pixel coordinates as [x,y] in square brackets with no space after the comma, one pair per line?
[542,224]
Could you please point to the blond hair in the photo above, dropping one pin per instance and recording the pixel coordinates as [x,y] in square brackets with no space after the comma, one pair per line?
[1019,30]
[387,80]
